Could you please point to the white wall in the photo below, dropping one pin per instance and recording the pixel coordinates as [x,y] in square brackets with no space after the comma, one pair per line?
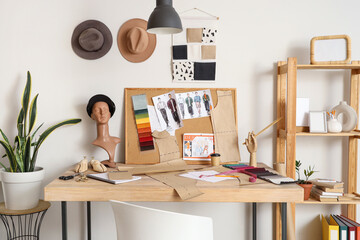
[254,35]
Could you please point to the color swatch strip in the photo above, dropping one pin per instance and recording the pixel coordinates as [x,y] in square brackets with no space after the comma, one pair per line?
[142,121]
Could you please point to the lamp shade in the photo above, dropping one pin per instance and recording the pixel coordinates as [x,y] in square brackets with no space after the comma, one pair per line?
[164,19]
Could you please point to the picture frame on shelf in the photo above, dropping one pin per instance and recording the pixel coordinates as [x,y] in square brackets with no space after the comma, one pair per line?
[318,122]
[333,49]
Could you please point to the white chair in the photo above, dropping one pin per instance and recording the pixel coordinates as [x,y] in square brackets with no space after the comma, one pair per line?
[141,223]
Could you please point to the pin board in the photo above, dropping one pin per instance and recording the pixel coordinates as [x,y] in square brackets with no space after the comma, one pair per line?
[133,154]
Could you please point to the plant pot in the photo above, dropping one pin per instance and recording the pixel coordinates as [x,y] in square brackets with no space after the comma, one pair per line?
[307,189]
[22,190]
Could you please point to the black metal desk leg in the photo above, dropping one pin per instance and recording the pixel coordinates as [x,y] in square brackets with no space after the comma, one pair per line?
[283,220]
[88,206]
[64,220]
[254,220]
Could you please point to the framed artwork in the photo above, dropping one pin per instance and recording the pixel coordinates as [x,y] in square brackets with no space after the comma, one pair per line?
[318,122]
[335,49]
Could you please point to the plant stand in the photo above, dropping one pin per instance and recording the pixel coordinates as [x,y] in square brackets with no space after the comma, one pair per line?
[23,224]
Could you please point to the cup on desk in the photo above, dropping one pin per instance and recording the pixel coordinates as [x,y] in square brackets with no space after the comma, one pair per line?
[215,159]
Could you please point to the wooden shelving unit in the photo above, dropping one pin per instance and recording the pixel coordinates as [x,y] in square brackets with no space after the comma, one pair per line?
[287,131]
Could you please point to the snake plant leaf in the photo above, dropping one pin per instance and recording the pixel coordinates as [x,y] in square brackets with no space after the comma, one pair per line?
[6,169]
[20,124]
[4,137]
[46,133]
[33,113]
[26,97]
[27,157]
[10,154]
[19,160]
[33,135]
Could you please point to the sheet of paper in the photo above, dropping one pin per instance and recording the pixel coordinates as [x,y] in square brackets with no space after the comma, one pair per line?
[302,111]
[185,187]
[196,175]
[166,108]
[155,123]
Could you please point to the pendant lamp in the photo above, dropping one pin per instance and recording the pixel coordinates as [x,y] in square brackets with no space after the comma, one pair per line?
[164,19]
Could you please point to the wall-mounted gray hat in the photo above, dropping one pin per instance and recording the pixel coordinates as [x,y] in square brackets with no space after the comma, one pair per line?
[91,39]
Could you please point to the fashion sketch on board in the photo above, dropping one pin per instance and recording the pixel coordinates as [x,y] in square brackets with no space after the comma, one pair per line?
[167,110]
[196,104]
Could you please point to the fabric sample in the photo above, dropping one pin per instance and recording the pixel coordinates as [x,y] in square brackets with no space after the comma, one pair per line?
[209,35]
[183,71]
[224,126]
[194,52]
[204,71]
[139,102]
[180,52]
[194,35]
[179,38]
[167,144]
[208,52]
[142,122]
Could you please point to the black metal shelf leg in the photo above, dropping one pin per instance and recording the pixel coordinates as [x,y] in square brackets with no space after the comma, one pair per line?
[64,220]
[283,220]
[88,207]
[254,220]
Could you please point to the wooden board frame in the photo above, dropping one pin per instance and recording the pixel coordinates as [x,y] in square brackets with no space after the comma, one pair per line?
[133,155]
[348,49]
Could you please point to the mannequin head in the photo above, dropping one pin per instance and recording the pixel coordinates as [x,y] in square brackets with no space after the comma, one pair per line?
[101,113]
[103,104]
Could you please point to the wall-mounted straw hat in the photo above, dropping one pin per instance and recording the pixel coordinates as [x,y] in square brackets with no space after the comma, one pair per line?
[135,44]
[91,39]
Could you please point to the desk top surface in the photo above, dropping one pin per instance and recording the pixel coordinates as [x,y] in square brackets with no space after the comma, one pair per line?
[150,190]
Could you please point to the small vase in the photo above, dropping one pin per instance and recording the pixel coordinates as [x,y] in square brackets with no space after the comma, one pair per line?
[307,189]
[334,126]
[349,116]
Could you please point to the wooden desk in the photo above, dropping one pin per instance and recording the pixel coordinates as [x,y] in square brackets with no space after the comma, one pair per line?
[150,190]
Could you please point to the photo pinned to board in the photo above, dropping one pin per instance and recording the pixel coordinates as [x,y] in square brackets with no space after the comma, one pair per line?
[167,110]
[198,146]
[194,104]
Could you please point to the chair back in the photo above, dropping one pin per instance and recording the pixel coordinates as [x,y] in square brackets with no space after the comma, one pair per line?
[141,223]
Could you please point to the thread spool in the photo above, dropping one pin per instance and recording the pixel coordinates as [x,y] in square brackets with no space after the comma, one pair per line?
[215,159]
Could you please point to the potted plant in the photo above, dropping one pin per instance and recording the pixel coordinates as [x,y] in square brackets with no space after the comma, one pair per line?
[21,181]
[305,183]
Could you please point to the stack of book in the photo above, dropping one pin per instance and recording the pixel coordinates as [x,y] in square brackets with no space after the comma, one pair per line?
[326,190]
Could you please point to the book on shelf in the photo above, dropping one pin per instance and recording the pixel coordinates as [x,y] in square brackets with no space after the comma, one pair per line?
[323,198]
[326,189]
[323,193]
[336,184]
[348,197]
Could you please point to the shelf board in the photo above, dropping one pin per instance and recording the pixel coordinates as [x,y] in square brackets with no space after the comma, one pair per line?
[314,201]
[341,134]
[328,66]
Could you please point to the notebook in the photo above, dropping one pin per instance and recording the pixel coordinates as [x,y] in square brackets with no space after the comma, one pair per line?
[104,177]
